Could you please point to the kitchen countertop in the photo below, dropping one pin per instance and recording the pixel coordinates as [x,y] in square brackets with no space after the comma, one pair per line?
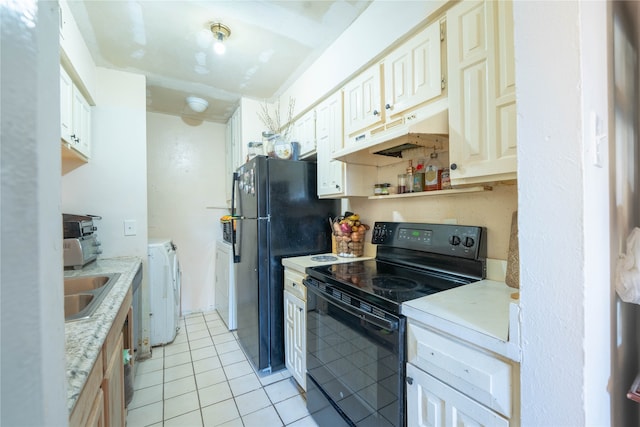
[300,263]
[482,313]
[84,338]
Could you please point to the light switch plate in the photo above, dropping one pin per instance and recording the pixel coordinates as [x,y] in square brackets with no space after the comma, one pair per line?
[130,227]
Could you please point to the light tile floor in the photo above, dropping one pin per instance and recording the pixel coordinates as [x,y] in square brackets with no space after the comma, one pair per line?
[204,379]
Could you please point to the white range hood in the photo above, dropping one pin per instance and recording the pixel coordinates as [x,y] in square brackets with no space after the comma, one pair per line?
[427,127]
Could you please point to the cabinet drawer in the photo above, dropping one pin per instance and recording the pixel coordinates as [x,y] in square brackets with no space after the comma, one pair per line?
[472,371]
[293,284]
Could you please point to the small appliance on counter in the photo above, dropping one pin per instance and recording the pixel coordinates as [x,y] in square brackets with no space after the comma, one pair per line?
[80,244]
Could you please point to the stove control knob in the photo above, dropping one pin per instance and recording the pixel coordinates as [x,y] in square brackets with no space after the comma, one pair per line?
[468,242]
[454,240]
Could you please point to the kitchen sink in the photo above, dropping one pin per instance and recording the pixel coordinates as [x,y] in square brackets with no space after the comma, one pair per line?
[83,295]
[74,304]
[74,285]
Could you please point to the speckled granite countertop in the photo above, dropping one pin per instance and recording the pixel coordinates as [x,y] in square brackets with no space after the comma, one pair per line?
[84,338]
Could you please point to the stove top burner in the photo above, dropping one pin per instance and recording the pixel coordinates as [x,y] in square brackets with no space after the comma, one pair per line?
[393,283]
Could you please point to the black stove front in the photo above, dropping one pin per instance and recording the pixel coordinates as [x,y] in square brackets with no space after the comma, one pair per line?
[355,329]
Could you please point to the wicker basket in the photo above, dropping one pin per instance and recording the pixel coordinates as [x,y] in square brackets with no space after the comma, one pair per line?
[350,245]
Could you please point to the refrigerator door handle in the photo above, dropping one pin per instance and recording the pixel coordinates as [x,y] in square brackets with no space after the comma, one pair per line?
[236,258]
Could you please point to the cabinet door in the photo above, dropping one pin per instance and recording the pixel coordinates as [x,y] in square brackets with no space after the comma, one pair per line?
[482,134]
[81,126]
[113,388]
[413,72]
[363,103]
[329,136]
[96,416]
[304,133]
[295,337]
[430,402]
[66,109]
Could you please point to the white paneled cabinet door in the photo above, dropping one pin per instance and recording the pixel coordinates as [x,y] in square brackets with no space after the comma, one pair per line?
[363,103]
[66,106]
[81,123]
[305,133]
[329,140]
[482,135]
[432,403]
[295,337]
[413,72]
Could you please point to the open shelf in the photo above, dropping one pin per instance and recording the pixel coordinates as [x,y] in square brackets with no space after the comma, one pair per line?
[476,189]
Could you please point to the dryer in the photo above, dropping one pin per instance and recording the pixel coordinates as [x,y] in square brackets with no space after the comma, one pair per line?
[164,291]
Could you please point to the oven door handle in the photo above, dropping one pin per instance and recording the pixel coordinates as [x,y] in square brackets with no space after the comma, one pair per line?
[380,322]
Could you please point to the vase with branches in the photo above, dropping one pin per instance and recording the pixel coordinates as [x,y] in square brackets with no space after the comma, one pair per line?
[272,120]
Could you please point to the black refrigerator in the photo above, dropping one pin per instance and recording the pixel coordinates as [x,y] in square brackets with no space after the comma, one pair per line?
[278,214]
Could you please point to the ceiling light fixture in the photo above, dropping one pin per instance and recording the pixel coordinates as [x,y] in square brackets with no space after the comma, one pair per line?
[220,32]
[197,104]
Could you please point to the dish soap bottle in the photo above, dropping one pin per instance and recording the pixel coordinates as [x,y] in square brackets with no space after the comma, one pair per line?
[433,173]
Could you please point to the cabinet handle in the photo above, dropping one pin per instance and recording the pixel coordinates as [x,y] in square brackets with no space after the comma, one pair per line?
[453,166]
[376,112]
[387,107]
[337,187]
[409,380]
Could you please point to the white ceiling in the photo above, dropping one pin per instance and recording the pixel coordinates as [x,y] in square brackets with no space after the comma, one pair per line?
[271,44]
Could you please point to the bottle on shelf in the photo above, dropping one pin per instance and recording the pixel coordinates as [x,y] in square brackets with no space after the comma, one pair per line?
[433,173]
[410,171]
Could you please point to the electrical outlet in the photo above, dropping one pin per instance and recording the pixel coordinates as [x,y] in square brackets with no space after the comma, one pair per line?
[450,221]
[130,227]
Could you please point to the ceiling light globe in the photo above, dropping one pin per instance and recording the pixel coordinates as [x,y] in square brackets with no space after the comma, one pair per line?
[197,104]
[219,48]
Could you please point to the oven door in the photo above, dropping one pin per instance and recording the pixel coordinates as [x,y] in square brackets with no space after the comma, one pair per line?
[355,363]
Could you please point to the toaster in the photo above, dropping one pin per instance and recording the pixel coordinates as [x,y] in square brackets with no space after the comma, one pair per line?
[80,251]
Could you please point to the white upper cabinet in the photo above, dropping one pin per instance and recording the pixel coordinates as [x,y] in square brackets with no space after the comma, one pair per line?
[413,73]
[390,97]
[66,105]
[81,123]
[329,136]
[363,106]
[335,178]
[482,105]
[304,132]
[75,117]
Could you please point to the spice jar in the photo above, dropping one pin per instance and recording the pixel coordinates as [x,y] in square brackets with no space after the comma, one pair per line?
[402,183]
[385,189]
[377,189]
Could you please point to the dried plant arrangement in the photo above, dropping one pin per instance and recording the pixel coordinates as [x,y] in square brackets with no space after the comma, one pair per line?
[273,123]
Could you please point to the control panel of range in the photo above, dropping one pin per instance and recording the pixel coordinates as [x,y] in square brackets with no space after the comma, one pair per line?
[446,239]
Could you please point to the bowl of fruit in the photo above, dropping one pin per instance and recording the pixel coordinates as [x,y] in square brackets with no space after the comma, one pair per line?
[349,233]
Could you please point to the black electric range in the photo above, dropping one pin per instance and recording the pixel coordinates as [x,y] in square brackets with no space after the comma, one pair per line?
[355,329]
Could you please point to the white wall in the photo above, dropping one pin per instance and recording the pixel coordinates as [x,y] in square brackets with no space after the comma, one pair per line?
[567,233]
[187,197]
[490,209]
[32,374]
[114,182]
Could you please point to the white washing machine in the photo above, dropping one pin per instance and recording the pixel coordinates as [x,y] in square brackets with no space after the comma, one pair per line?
[225,284]
[164,291]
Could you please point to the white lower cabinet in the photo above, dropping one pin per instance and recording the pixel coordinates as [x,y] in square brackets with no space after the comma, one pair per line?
[451,382]
[432,403]
[295,324]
